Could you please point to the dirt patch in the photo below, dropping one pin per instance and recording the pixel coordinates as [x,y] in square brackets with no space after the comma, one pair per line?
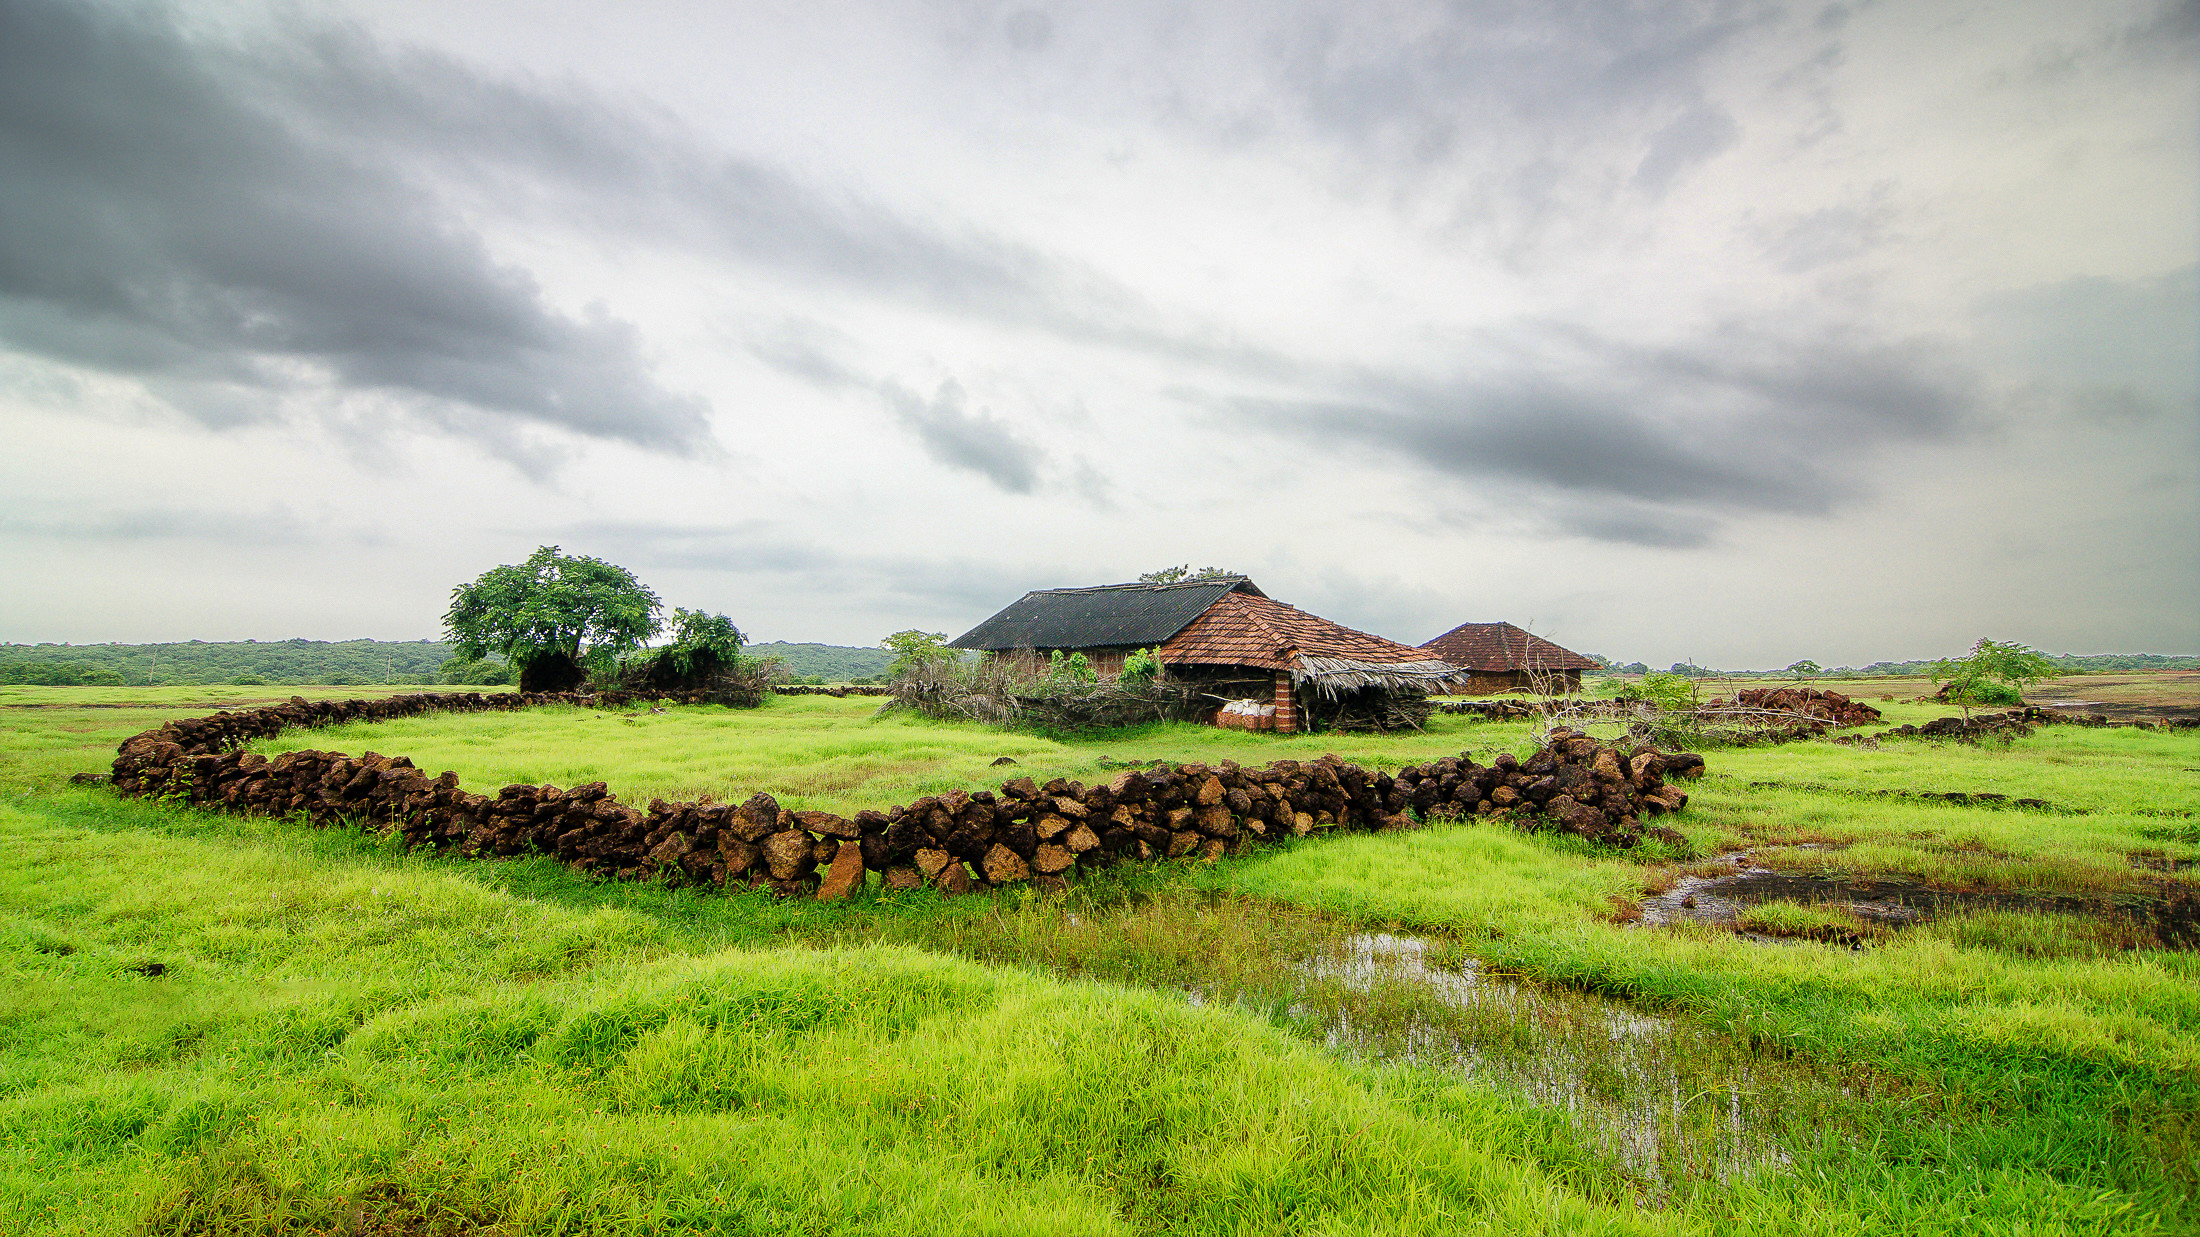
[2168,911]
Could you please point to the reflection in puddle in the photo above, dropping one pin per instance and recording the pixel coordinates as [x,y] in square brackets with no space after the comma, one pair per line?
[2169,912]
[1663,1098]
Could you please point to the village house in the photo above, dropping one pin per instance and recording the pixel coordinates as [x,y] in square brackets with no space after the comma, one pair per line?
[1235,643]
[1500,657]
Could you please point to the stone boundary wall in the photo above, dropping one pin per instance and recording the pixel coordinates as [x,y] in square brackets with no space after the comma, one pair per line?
[954,841]
[815,689]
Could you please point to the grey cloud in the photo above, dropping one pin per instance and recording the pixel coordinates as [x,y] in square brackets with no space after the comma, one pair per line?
[1653,447]
[169,212]
[628,170]
[1633,525]
[271,526]
[978,442]
[1695,136]
[963,586]
[1827,236]
[2094,331]
[1540,103]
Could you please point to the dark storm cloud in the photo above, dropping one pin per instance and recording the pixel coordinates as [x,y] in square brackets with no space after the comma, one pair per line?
[166,214]
[233,223]
[628,170]
[1654,447]
[977,442]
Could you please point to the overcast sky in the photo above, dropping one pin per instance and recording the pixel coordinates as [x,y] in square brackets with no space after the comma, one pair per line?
[1732,332]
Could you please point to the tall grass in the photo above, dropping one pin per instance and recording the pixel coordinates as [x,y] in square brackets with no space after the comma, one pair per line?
[347,1037]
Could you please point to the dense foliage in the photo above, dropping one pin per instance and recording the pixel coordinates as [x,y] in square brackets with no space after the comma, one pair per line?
[1182,572]
[913,650]
[583,609]
[825,663]
[198,662]
[1992,672]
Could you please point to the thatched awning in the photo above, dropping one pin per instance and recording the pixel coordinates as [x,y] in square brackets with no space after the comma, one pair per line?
[1334,676]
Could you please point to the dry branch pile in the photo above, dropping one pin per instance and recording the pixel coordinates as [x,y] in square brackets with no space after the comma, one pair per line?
[954,841]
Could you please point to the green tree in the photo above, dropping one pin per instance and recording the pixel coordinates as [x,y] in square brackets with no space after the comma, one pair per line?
[1183,571]
[552,616]
[700,639]
[913,649]
[1994,672]
[1804,669]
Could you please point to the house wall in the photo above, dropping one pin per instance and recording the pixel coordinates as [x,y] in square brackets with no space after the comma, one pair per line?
[1495,682]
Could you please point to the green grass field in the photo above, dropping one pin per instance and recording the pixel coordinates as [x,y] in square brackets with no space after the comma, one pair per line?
[342,1037]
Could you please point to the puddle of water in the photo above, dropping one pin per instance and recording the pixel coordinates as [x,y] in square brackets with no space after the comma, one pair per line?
[2172,913]
[1664,1099]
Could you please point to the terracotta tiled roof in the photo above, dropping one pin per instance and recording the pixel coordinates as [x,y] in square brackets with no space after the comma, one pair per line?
[1238,630]
[1490,647]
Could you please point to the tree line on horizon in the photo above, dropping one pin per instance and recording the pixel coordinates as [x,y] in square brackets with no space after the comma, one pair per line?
[300,662]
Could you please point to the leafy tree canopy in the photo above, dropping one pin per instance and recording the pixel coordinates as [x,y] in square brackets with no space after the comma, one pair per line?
[1183,571]
[584,608]
[912,649]
[1992,672]
[1804,669]
[697,636]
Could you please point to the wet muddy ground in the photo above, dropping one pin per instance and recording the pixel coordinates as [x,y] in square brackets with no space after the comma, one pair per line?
[2164,914]
[1660,1097]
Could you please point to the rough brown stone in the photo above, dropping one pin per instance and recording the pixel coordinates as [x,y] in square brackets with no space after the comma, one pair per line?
[903,879]
[931,861]
[1003,866]
[844,877]
[753,820]
[787,854]
[1051,858]
[1183,843]
[1210,792]
[827,824]
[1212,849]
[1216,822]
[1081,839]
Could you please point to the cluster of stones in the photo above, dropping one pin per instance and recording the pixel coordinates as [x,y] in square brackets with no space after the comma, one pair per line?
[2016,722]
[954,841]
[1829,706]
[835,690]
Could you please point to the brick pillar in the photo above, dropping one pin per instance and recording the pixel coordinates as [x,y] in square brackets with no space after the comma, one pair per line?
[1287,711]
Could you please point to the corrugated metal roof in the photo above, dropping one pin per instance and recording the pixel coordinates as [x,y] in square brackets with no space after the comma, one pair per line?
[1103,616]
[1495,647]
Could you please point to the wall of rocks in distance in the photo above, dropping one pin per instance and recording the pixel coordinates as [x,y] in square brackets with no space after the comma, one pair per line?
[954,841]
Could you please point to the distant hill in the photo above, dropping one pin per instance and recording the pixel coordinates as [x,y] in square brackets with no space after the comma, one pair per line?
[2068,663]
[198,662]
[834,663]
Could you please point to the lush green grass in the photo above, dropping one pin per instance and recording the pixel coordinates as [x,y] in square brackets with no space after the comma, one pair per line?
[348,1035]
[342,1038]
[818,752]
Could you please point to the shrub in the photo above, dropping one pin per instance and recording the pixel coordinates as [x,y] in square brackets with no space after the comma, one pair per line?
[1668,692]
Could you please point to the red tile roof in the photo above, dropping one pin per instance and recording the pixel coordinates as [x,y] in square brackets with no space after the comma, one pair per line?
[1240,630]
[1492,647]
